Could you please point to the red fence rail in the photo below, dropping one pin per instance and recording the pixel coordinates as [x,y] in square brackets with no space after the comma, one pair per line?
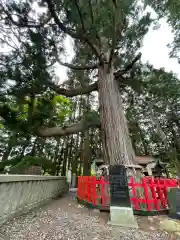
[149,194]
[92,190]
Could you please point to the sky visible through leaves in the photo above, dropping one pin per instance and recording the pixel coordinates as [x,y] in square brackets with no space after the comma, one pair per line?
[154,51]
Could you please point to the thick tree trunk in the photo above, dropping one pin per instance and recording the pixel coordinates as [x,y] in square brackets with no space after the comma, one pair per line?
[33,151]
[117,143]
[144,142]
[65,157]
[86,155]
[57,149]
[74,162]
[81,154]
[59,158]
[41,145]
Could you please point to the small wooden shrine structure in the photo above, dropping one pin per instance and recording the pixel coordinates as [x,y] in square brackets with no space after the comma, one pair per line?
[151,166]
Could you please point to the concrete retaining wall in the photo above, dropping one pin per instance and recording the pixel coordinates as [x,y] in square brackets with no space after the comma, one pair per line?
[20,193]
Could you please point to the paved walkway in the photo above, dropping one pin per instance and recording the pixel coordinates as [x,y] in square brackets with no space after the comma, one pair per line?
[65,219]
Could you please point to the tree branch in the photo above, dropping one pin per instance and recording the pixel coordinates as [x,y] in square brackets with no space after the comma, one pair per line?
[80,15]
[64,131]
[59,23]
[115,3]
[82,36]
[24,24]
[91,11]
[74,67]
[74,92]
[92,20]
[128,67]
[114,37]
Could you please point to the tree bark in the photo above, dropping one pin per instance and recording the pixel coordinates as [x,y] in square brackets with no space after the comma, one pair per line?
[57,149]
[81,154]
[64,131]
[75,156]
[41,145]
[86,155]
[70,151]
[118,146]
[74,91]
[25,145]
[65,157]
[60,157]
[33,150]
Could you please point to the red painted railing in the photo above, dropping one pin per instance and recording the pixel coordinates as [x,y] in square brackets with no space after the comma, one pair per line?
[92,190]
[149,194]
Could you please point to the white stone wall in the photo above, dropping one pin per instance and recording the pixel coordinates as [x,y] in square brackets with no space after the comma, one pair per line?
[20,193]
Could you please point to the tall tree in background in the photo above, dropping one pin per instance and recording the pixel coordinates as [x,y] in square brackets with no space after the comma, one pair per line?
[107,35]
[104,27]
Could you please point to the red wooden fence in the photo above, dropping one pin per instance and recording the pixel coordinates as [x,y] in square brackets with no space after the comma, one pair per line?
[149,194]
[92,190]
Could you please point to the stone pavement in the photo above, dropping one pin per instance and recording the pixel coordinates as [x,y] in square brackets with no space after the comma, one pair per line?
[65,219]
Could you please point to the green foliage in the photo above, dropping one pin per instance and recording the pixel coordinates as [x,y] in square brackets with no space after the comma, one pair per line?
[63,107]
[29,103]
[11,162]
[51,109]
[19,164]
[160,95]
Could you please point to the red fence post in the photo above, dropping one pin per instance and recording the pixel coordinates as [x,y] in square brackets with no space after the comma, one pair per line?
[103,194]
[93,190]
[160,193]
[152,185]
[133,198]
[79,190]
[89,189]
[155,191]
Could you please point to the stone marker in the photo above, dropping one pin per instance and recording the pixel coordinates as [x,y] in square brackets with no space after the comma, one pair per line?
[174,202]
[121,212]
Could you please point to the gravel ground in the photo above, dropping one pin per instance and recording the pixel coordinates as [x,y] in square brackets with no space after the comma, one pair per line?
[64,219]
